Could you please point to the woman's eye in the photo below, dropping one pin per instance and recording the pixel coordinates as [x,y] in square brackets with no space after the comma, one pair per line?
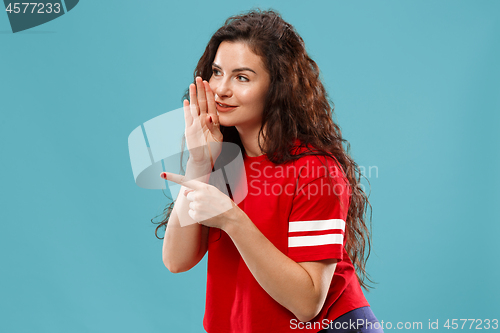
[242,78]
[215,71]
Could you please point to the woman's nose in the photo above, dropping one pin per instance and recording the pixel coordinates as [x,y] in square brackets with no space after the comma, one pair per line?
[222,88]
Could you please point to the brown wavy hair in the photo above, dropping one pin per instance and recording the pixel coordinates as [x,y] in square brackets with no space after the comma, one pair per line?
[297,107]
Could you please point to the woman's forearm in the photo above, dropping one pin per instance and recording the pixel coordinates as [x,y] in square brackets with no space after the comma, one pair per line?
[286,281]
[185,246]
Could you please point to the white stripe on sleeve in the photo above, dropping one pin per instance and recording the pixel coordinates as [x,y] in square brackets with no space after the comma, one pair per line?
[315,240]
[316,225]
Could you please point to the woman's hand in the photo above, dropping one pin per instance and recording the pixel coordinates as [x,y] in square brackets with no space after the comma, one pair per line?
[203,135]
[207,205]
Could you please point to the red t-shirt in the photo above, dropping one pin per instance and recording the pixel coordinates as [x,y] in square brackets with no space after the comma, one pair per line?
[303,214]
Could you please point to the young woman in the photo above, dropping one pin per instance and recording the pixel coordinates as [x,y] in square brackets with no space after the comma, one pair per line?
[291,256]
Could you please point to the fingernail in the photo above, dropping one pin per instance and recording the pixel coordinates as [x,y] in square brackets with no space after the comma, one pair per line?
[163,175]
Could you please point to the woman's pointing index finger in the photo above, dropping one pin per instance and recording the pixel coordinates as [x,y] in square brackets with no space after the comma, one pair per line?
[181,180]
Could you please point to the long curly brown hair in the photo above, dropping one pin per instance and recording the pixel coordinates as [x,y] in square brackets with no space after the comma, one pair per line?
[297,107]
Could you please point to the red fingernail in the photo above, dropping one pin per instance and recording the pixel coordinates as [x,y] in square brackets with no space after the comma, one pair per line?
[163,175]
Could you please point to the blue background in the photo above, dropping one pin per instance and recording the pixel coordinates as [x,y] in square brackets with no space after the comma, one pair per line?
[416,85]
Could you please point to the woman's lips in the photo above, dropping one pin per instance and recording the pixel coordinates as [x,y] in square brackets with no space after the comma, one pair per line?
[221,107]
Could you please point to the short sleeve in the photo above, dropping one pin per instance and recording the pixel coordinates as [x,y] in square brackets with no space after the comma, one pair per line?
[316,224]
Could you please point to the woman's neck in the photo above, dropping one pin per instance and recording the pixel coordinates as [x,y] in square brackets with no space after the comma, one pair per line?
[249,139]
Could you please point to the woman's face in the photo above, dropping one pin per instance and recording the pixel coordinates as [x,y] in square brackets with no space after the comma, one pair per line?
[240,83]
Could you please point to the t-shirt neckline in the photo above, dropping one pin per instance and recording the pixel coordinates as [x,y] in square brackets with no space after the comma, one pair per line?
[254,158]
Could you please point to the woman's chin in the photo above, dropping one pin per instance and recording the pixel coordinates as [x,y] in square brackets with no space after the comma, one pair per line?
[224,121]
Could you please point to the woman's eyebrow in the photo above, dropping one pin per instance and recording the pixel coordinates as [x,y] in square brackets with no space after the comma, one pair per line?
[236,69]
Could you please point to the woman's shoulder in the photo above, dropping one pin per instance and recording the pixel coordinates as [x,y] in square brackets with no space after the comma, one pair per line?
[314,163]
